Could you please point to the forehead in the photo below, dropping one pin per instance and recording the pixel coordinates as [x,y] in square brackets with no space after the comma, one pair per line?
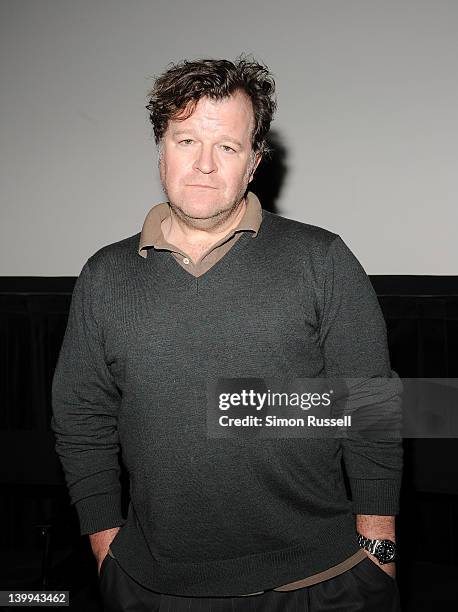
[234,113]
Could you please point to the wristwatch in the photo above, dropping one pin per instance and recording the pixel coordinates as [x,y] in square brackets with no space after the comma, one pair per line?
[383,550]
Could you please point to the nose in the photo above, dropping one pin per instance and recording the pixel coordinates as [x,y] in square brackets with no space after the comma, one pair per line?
[205,161]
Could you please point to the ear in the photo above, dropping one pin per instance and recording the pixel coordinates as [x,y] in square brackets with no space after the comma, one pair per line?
[257,159]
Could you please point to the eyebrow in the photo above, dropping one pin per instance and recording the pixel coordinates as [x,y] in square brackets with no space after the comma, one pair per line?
[224,137]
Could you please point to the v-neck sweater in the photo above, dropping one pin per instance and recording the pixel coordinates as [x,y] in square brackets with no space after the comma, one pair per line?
[212,516]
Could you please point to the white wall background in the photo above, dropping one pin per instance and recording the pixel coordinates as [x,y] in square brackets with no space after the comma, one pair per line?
[368,111]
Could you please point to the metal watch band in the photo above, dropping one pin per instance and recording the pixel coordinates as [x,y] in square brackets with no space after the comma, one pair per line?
[366,543]
[372,546]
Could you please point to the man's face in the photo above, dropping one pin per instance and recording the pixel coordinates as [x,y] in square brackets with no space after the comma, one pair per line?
[206,160]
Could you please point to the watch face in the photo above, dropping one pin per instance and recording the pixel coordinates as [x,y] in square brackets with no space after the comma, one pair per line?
[386,551]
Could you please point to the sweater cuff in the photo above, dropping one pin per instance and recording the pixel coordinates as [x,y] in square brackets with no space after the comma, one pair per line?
[380,497]
[99,512]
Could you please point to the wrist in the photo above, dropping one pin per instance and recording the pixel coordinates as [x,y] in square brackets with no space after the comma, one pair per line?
[376,527]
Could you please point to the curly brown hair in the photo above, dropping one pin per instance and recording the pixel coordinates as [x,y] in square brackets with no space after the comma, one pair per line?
[176,92]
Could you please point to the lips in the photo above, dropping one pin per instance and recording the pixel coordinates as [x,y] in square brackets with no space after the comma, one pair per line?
[202,186]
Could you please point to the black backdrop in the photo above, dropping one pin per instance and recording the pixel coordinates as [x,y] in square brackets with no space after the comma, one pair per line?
[421,313]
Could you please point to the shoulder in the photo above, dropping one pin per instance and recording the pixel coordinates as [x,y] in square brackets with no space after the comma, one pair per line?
[113,262]
[117,254]
[295,235]
[317,250]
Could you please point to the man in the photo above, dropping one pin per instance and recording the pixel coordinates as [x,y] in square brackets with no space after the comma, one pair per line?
[214,287]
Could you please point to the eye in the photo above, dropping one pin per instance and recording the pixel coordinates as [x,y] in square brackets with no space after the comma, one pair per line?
[227,149]
[187,141]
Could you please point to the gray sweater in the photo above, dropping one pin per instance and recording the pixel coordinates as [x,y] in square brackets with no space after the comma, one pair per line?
[219,516]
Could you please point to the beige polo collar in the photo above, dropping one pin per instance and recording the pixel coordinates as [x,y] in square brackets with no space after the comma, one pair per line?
[152,236]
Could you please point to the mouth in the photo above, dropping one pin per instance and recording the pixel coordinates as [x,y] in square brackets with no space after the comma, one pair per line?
[202,186]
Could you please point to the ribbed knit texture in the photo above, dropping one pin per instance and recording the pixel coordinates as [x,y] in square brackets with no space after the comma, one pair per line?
[214,517]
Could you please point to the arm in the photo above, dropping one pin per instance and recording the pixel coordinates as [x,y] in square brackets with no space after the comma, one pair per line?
[85,401]
[354,344]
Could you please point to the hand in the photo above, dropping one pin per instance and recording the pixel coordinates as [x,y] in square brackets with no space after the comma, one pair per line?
[389,568]
[100,542]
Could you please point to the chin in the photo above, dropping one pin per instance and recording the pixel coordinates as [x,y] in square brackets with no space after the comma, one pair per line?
[202,211]
[200,206]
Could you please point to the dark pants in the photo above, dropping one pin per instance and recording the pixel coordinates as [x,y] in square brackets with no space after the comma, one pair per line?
[365,587]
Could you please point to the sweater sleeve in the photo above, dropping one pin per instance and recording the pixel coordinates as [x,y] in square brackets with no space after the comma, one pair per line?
[354,344]
[85,401]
